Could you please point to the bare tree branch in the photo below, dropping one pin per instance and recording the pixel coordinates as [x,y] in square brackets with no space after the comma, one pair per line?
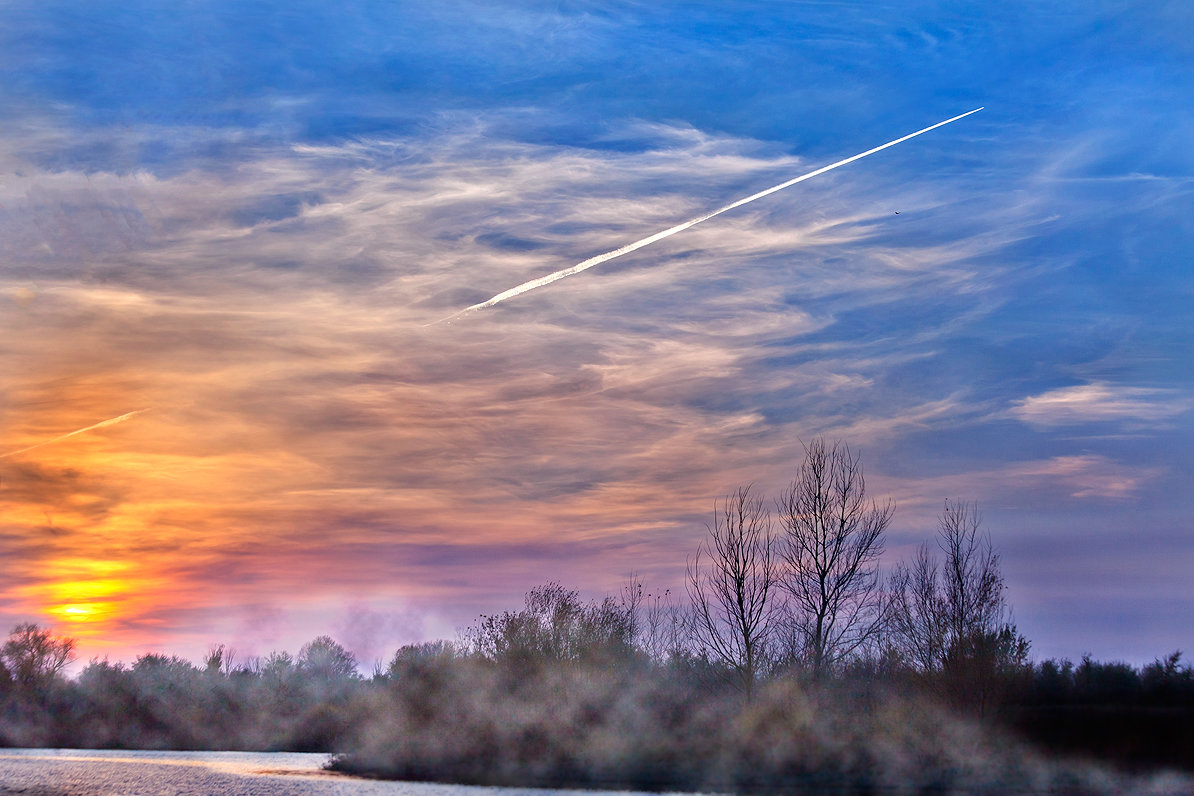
[954,617]
[832,540]
[973,585]
[733,594]
[916,613]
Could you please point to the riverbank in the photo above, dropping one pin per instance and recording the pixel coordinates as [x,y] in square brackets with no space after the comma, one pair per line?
[561,728]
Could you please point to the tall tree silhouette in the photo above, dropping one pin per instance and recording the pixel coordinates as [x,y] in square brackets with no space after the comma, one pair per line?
[831,542]
[732,585]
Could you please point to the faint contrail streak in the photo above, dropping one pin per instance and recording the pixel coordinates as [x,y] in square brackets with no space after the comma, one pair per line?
[102,424]
[638,244]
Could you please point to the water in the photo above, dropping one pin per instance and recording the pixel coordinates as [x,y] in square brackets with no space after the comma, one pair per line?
[92,772]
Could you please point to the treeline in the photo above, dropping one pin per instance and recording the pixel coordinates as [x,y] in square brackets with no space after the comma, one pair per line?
[306,702]
[565,692]
[1138,718]
[788,662]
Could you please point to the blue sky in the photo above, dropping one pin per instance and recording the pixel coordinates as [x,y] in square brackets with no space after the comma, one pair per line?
[239,217]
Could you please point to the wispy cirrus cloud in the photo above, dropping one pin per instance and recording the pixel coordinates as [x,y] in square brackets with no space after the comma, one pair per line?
[315,441]
[242,216]
[1046,483]
[274,313]
[1101,402]
[628,248]
[1089,476]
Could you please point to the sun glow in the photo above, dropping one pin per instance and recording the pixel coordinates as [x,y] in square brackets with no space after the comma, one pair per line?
[83,592]
[82,612]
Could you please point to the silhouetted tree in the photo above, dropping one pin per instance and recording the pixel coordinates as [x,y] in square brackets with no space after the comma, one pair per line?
[916,620]
[554,626]
[277,665]
[663,628]
[831,542]
[953,618]
[220,660]
[973,586]
[1168,677]
[34,656]
[325,659]
[732,582]
[439,654]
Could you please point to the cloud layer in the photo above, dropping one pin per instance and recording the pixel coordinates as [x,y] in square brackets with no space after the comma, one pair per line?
[256,279]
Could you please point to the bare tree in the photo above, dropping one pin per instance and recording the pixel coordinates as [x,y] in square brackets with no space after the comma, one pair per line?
[954,618]
[665,627]
[35,657]
[937,611]
[327,660]
[555,626]
[916,616]
[973,587]
[220,659]
[832,540]
[732,583]
[659,626]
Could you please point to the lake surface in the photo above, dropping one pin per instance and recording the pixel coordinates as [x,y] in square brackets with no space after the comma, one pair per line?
[92,772]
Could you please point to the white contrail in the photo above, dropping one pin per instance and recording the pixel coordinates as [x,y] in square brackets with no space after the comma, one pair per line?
[102,424]
[638,244]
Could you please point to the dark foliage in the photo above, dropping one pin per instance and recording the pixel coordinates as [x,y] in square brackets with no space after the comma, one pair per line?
[583,726]
[1137,719]
[555,627]
[165,702]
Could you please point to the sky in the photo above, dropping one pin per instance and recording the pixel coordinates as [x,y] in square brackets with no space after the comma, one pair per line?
[230,228]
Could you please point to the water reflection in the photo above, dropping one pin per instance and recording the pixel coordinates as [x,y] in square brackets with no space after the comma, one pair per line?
[103,772]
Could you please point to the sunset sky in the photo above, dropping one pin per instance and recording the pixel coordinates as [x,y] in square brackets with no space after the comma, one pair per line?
[228,227]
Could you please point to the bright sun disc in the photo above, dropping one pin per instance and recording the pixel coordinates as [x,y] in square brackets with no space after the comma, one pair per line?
[81,612]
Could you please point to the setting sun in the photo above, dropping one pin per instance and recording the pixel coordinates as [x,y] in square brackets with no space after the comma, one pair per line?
[82,591]
[80,612]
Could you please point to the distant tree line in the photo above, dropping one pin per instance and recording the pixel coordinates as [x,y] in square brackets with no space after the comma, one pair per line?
[303,703]
[789,662]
